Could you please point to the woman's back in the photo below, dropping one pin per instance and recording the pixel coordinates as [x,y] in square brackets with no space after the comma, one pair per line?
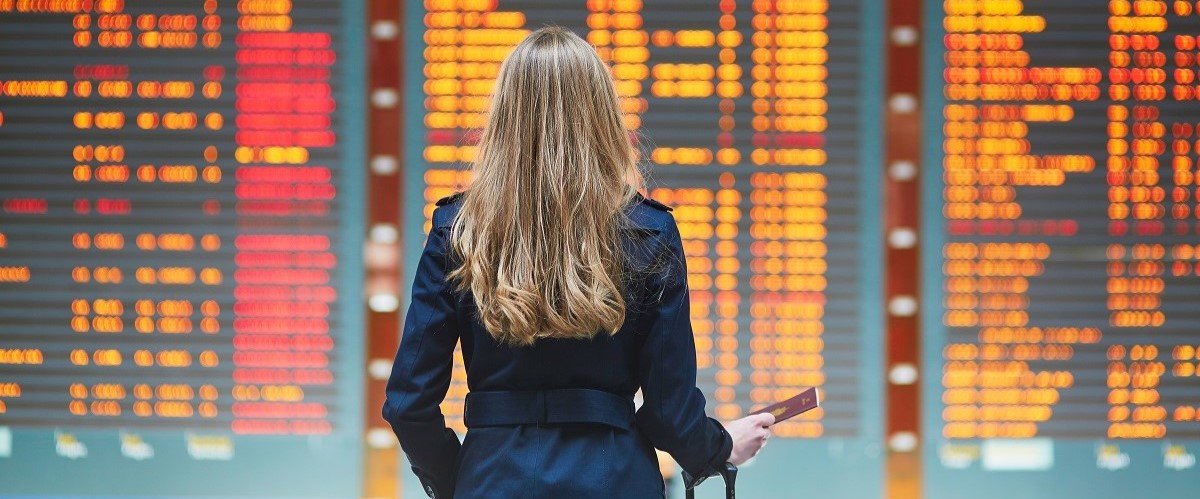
[605,362]
[582,438]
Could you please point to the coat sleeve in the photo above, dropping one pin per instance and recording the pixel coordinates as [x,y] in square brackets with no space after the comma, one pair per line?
[421,373]
[672,414]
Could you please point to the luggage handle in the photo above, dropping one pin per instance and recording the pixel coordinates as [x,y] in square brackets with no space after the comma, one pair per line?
[728,473]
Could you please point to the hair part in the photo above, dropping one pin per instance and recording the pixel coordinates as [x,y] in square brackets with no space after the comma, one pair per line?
[537,242]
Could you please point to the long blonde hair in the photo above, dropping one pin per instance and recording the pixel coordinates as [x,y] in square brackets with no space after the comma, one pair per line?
[538,238]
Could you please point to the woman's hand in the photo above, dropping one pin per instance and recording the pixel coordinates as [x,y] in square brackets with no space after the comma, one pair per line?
[749,436]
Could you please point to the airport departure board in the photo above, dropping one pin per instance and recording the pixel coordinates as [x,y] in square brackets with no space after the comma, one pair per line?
[180,225]
[1062,212]
[753,124]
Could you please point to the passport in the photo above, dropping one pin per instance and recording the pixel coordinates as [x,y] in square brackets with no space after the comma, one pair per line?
[805,401]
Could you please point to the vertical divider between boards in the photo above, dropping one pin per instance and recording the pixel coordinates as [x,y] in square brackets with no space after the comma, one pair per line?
[903,133]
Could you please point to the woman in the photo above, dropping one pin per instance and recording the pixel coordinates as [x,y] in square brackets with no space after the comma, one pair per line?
[568,291]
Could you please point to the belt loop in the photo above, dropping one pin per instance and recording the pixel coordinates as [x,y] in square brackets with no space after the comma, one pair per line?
[467,410]
[540,407]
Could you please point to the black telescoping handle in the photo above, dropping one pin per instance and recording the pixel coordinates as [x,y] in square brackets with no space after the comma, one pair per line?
[729,474]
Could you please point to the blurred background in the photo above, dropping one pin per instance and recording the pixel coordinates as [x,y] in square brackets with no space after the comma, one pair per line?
[975,225]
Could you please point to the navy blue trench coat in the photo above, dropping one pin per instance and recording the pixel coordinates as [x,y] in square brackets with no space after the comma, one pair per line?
[556,419]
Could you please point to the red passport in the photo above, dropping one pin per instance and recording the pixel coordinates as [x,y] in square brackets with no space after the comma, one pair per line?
[806,401]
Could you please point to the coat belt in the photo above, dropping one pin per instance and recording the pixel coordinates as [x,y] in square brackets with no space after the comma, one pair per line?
[544,407]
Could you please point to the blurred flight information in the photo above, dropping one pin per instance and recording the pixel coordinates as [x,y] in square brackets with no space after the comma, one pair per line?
[1067,221]
[747,114]
[172,236]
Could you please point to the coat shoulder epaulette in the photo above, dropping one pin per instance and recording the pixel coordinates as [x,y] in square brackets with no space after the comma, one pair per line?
[448,210]
[449,199]
[654,204]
